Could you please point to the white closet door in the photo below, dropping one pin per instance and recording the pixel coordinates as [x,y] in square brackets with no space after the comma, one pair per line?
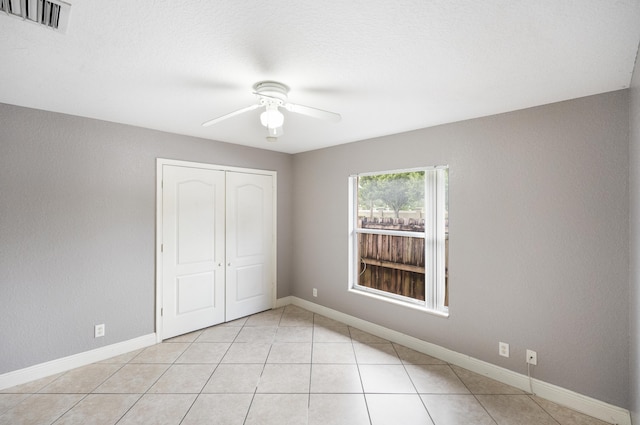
[193,229]
[250,241]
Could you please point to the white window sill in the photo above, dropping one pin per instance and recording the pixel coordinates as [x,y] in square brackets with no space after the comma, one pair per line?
[391,300]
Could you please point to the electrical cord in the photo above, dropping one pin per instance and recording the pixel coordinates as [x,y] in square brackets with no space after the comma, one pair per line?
[529,375]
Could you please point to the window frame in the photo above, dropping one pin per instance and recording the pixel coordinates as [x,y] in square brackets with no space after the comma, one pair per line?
[435,253]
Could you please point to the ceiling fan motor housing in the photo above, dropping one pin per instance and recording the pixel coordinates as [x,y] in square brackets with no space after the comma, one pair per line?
[272,91]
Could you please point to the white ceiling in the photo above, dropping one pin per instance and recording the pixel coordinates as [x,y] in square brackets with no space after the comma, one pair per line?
[387,66]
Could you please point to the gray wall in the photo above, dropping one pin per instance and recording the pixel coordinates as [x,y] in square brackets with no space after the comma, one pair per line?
[77,228]
[538,238]
[634,244]
[538,245]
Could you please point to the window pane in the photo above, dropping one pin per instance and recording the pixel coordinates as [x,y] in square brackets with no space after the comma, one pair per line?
[393,264]
[446,237]
[392,201]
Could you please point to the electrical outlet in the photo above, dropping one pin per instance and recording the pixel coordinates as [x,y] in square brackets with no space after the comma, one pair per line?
[532,357]
[315,292]
[98,331]
[503,349]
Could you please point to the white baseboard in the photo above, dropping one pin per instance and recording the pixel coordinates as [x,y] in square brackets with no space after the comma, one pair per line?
[42,370]
[281,302]
[581,403]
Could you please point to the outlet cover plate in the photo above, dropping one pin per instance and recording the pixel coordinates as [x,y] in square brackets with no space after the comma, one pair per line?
[532,357]
[98,331]
[503,349]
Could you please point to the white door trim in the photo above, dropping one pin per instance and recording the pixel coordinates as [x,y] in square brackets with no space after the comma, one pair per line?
[160,162]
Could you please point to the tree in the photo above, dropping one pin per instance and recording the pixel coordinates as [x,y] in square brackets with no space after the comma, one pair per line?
[368,192]
[396,191]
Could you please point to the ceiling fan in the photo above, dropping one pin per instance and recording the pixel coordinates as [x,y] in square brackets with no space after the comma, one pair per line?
[272,95]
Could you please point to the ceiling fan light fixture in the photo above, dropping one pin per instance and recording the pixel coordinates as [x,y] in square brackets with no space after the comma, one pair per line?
[272,118]
[272,95]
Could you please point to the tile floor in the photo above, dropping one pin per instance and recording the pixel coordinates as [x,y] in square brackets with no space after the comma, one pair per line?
[286,366]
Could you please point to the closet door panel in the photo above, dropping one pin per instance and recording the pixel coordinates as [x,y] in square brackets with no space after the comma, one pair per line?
[250,241]
[193,252]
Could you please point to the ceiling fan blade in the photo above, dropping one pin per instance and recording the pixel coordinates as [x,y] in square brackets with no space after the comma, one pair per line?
[231,114]
[313,112]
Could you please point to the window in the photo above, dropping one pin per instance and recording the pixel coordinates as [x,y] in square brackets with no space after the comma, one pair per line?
[399,236]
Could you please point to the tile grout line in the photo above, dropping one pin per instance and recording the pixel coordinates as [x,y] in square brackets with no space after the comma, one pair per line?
[543,409]
[84,394]
[313,333]
[190,344]
[159,377]
[129,409]
[355,356]
[313,330]
[404,366]
[475,396]
[264,365]
[255,390]
[98,386]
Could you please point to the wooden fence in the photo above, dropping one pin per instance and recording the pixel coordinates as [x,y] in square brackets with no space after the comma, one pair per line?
[393,264]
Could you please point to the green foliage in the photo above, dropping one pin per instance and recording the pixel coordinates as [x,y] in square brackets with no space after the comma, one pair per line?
[395,191]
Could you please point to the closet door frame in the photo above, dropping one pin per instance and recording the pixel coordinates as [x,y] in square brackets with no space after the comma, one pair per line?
[160,162]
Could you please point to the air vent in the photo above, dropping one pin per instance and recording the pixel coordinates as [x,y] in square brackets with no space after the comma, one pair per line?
[51,14]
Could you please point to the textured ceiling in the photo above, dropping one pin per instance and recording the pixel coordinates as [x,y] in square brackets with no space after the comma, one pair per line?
[386,66]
